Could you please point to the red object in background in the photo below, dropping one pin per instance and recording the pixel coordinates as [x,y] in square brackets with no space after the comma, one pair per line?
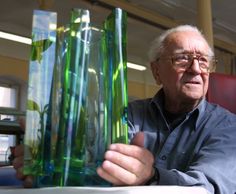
[222,91]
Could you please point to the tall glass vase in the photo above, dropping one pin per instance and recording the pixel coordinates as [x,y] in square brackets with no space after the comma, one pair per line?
[115,72]
[39,91]
[69,160]
[85,108]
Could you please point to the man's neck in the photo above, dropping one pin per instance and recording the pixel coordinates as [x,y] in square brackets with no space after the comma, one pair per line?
[177,106]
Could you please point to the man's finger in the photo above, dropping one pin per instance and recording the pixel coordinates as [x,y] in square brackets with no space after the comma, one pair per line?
[138,139]
[28,182]
[19,150]
[18,162]
[130,164]
[121,175]
[102,173]
[133,151]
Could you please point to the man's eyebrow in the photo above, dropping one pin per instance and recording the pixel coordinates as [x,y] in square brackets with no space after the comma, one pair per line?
[182,51]
[179,51]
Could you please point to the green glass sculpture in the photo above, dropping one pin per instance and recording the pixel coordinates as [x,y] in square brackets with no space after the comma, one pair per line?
[115,28]
[39,90]
[73,118]
[86,104]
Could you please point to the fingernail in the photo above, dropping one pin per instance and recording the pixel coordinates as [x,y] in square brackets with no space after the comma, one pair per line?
[112,146]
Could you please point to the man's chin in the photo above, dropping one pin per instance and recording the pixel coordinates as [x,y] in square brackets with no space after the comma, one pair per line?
[193,96]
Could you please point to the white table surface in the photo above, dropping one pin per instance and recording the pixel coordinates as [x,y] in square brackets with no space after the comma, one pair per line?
[110,190]
[10,185]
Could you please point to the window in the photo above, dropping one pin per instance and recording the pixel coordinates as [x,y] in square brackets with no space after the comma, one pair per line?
[6,142]
[8,101]
[8,96]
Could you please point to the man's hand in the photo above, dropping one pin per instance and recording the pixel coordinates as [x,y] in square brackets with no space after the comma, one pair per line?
[18,165]
[18,161]
[127,164]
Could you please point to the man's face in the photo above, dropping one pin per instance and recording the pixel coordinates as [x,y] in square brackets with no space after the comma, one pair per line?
[188,85]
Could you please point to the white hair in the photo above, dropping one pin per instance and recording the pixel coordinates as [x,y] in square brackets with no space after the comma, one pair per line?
[158,45]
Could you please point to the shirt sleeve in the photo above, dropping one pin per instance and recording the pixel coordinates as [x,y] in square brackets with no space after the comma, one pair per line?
[213,167]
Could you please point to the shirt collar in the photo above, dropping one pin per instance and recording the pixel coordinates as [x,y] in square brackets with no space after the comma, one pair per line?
[201,112]
[158,101]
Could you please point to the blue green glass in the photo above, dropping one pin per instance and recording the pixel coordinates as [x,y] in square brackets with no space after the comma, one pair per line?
[116,76]
[55,108]
[55,104]
[39,90]
[85,107]
[73,118]
[94,134]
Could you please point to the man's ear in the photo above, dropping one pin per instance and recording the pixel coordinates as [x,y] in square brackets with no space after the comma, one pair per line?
[155,72]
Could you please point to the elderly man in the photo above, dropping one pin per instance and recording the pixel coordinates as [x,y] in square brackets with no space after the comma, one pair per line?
[180,138]
[177,137]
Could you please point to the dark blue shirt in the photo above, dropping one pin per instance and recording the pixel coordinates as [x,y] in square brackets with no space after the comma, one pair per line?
[200,150]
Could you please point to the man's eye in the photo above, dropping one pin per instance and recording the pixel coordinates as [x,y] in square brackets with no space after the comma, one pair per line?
[203,59]
[182,57]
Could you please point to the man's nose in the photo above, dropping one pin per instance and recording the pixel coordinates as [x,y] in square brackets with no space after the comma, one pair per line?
[195,66]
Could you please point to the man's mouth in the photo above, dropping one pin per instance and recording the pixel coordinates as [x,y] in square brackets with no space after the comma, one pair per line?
[192,82]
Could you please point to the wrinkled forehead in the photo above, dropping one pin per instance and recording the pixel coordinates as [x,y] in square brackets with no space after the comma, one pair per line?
[188,42]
